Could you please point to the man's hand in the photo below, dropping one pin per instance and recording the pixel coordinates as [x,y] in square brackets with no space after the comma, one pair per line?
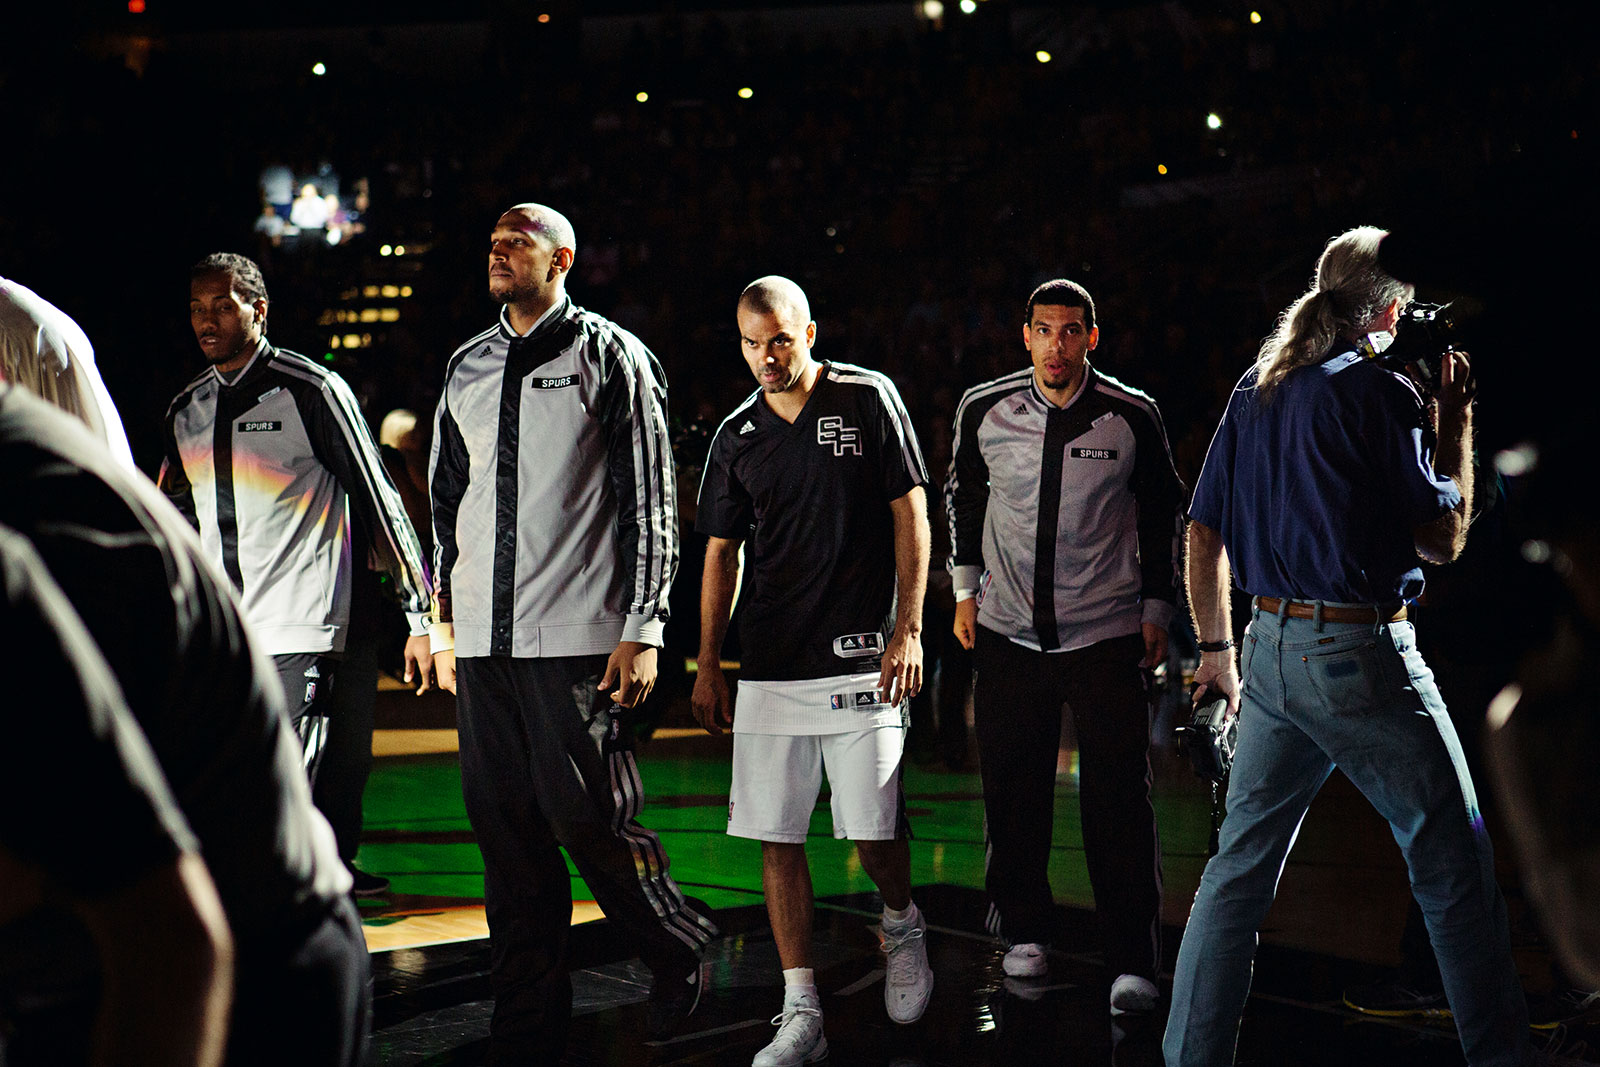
[1217,676]
[1155,645]
[1457,386]
[419,663]
[444,668]
[966,627]
[712,706]
[632,669]
[901,676]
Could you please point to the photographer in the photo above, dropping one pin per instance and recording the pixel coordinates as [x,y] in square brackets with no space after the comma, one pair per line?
[1323,486]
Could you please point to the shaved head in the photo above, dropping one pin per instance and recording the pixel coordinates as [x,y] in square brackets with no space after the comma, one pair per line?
[549,223]
[774,295]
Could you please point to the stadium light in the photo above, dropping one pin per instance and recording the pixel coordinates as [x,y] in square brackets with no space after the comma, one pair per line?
[1255,18]
[746,93]
[933,10]
[1213,121]
[1161,168]
[969,7]
[1042,56]
[319,68]
[641,96]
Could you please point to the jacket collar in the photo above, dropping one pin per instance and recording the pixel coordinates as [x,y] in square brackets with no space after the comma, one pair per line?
[557,311]
[257,358]
[1089,378]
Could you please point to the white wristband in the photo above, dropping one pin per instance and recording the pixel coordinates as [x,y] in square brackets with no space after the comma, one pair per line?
[441,638]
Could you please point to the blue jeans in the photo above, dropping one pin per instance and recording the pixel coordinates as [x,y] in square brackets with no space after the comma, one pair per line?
[1359,696]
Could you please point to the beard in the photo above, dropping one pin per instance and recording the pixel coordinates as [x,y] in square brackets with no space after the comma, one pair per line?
[511,290]
[220,355]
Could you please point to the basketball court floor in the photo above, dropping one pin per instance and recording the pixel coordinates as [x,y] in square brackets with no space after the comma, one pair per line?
[1337,922]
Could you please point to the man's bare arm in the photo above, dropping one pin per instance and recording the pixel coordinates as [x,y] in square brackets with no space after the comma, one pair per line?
[718,589]
[167,969]
[1442,540]
[901,676]
[1209,580]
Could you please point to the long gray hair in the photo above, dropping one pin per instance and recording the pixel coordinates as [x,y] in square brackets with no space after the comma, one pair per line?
[1348,293]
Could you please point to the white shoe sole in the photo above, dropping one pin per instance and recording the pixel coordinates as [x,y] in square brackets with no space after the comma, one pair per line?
[912,1017]
[816,1054]
[1026,967]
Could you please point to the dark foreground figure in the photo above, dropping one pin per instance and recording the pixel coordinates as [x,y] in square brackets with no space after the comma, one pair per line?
[209,704]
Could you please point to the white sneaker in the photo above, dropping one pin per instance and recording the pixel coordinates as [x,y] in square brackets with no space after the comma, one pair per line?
[1026,961]
[1133,995]
[799,1038]
[909,983]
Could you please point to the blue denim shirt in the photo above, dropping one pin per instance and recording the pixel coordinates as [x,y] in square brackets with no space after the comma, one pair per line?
[1317,492]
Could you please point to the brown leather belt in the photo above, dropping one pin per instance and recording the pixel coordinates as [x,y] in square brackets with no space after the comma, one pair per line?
[1300,610]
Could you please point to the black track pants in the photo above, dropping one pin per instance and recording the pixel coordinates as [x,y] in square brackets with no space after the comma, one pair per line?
[1017,714]
[544,763]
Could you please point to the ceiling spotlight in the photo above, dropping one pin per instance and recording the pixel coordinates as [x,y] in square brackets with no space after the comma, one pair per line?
[1042,56]
[746,93]
[1213,121]
[318,68]
[641,96]
[933,10]
[968,7]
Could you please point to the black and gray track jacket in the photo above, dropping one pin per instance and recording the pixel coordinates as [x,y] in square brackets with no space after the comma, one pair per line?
[554,497]
[269,468]
[1063,521]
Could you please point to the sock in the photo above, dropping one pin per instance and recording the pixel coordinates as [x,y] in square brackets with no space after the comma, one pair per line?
[798,983]
[900,918]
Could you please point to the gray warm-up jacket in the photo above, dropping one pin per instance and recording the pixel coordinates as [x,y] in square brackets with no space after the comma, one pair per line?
[1063,520]
[554,498]
[272,467]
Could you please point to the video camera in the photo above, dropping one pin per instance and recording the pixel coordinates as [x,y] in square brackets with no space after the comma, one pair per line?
[1209,740]
[1423,337]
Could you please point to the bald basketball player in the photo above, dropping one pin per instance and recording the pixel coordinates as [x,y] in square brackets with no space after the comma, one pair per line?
[818,478]
[555,545]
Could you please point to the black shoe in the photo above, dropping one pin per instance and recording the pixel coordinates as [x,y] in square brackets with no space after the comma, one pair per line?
[1546,1011]
[674,994]
[367,885]
[1393,1000]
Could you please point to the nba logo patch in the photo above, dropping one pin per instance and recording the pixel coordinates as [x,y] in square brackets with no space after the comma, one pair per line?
[857,646]
[838,702]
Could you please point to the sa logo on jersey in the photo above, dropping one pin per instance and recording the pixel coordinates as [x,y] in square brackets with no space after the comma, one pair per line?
[831,430]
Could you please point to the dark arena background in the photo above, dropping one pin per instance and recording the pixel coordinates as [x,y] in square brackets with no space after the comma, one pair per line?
[918,169]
